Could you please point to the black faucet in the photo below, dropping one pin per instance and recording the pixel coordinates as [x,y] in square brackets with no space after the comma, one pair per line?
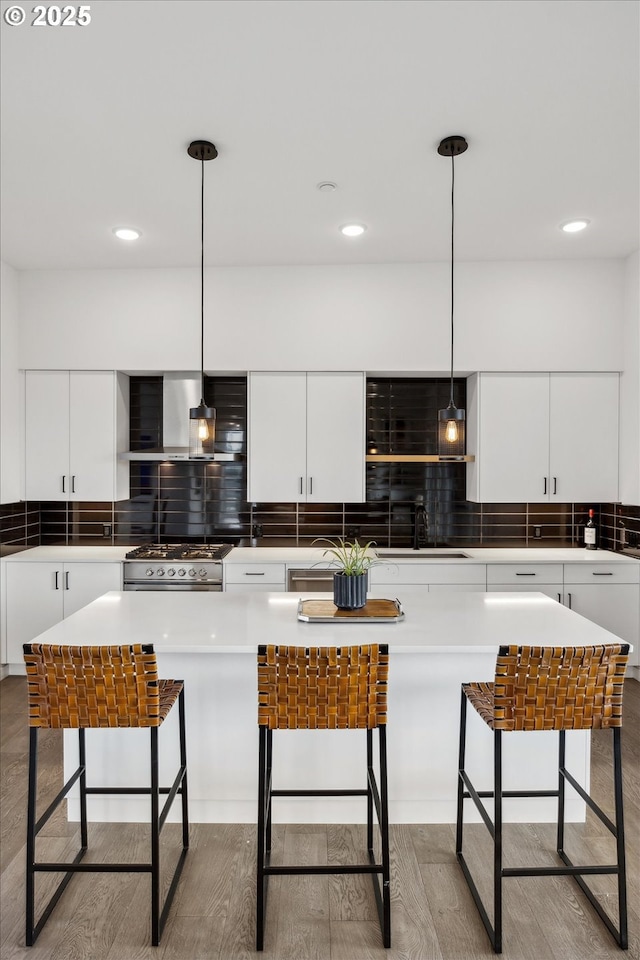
[420,526]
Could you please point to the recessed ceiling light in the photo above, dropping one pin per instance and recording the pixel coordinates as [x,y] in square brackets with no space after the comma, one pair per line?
[353,229]
[126,233]
[326,186]
[574,226]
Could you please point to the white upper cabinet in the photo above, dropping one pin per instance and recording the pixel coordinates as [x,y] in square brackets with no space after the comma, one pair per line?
[306,437]
[76,424]
[543,437]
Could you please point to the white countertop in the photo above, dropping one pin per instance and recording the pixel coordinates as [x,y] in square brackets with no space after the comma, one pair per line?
[310,555]
[238,622]
[60,554]
[306,556]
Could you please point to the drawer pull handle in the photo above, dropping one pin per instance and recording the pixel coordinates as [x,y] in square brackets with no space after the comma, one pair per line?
[254,574]
[594,574]
[526,574]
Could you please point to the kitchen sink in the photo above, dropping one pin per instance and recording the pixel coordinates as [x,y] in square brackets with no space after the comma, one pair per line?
[429,554]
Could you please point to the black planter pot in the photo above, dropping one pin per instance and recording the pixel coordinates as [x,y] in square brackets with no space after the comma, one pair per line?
[350,592]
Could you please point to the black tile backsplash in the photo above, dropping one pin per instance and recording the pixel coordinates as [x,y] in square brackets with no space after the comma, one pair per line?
[201,502]
[19,525]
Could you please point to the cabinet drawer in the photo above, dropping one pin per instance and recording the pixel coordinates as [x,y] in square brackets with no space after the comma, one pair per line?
[429,573]
[524,573]
[255,573]
[594,572]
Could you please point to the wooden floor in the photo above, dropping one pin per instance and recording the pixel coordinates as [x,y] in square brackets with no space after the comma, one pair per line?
[106,916]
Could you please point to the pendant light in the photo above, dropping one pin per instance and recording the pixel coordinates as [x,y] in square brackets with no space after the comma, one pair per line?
[451,421]
[202,419]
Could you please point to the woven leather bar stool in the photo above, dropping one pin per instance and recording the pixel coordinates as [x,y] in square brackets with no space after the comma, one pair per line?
[91,687]
[548,688]
[324,688]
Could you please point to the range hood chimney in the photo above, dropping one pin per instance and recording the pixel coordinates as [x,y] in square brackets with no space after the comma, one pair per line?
[180,392]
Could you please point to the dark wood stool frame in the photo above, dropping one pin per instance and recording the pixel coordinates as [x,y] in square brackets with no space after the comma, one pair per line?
[158,817]
[377,797]
[466,790]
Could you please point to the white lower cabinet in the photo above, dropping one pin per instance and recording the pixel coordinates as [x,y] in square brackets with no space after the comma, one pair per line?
[402,579]
[243,577]
[608,594]
[526,578]
[39,595]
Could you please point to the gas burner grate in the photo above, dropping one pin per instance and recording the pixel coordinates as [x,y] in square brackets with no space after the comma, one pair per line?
[180,551]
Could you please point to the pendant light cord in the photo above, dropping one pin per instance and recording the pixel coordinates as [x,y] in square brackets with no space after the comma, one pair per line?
[452,192]
[202,284]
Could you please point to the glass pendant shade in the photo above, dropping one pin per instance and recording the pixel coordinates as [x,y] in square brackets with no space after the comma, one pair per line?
[202,431]
[451,432]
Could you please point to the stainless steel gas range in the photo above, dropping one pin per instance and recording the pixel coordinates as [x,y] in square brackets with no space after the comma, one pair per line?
[175,566]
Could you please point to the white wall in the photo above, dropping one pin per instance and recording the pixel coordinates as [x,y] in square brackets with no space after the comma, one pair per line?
[11,392]
[630,385]
[560,315]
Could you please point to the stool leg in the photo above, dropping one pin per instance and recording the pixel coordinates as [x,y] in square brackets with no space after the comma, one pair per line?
[31,835]
[561,790]
[183,764]
[261,838]
[461,760]
[622,870]
[82,760]
[269,756]
[497,849]
[369,792]
[155,840]
[384,832]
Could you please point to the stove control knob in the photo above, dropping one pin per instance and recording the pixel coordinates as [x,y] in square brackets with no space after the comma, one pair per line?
[171,572]
[192,572]
[202,572]
[160,572]
[149,572]
[181,572]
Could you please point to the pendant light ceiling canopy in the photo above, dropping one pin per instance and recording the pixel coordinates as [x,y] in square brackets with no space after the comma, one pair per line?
[451,420]
[202,419]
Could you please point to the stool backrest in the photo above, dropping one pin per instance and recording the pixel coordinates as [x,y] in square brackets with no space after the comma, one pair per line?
[559,688]
[322,688]
[92,686]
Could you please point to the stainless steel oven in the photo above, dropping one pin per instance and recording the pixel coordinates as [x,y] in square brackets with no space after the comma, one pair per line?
[175,567]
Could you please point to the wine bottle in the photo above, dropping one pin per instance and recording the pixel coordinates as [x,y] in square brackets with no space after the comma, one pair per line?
[591,533]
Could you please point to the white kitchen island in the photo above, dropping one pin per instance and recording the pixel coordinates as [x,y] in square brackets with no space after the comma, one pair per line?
[210,640]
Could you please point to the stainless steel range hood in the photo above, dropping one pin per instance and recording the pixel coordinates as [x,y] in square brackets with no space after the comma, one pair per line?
[181,391]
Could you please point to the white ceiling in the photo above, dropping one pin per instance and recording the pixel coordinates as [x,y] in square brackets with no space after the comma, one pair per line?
[96,121]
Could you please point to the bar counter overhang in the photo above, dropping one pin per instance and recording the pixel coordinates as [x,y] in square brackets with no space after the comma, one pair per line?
[210,641]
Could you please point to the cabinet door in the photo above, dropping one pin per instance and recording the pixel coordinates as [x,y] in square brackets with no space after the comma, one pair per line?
[92,431]
[335,438]
[277,437]
[47,435]
[84,582]
[34,603]
[512,453]
[613,606]
[584,437]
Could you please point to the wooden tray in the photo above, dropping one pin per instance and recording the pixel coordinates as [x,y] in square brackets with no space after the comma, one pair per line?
[374,611]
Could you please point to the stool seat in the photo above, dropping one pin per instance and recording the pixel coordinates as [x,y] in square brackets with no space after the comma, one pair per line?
[536,689]
[89,687]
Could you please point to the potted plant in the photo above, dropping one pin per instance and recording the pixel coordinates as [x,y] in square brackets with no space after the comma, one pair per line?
[351,579]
